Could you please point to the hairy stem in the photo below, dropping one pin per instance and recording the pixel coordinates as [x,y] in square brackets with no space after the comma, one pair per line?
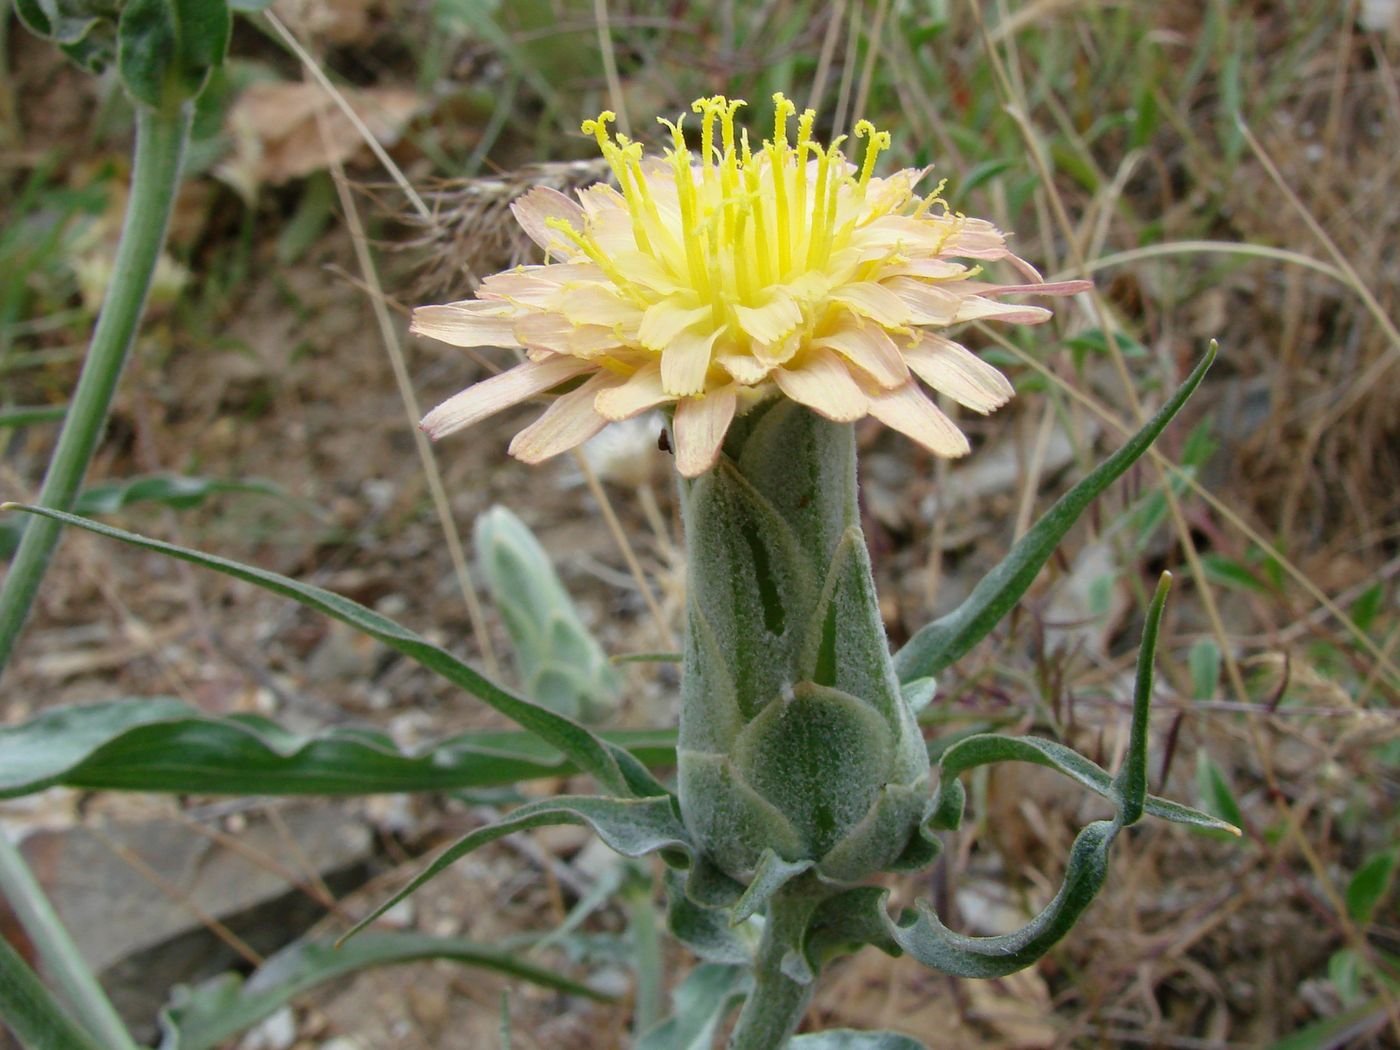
[774,1008]
[161,136]
[160,145]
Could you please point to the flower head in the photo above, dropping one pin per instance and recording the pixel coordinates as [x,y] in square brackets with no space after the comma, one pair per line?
[711,281]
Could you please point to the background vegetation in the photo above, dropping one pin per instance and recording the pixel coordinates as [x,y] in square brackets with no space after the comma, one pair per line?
[1222,169]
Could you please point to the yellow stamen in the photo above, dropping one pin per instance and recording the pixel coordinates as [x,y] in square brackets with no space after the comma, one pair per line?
[879,141]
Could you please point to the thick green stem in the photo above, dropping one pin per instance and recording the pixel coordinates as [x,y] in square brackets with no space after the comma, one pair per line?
[774,1008]
[62,959]
[160,146]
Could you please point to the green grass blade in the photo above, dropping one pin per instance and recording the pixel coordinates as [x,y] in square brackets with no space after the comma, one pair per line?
[23,416]
[632,827]
[207,1016]
[166,745]
[938,644]
[30,1010]
[612,766]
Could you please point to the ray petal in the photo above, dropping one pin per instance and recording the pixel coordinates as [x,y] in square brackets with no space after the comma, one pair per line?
[700,426]
[642,390]
[824,385]
[874,301]
[469,323]
[976,308]
[534,209]
[499,392]
[566,424]
[871,349]
[665,320]
[952,369]
[685,361]
[914,415]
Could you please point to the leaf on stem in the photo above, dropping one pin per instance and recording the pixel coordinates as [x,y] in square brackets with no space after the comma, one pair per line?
[704,930]
[632,827]
[30,1010]
[937,645]
[167,48]
[860,916]
[166,745]
[613,767]
[701,1002]
[207,1016]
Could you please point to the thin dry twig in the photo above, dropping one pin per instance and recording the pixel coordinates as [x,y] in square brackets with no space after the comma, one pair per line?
[389,333]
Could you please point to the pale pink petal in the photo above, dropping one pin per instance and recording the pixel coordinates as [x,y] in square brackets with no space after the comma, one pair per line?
[875,302]
[1026,268]
[546,330]
[567,423]
[749,371]
[954,370]
[665,320]
[870,348]
[685,362]
[534,209]
[699,428]
[500,391]
[914,415]
[536,285]
[1039,288]
[975,239]
[598,304]
[470,323]
[975,308]
[641,391]
[933,269]
[772,321]
[928,303]
[823,384]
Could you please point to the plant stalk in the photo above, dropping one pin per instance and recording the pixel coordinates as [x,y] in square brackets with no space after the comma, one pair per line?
[62,960]
[775,1006]
[160,145]
[161,136]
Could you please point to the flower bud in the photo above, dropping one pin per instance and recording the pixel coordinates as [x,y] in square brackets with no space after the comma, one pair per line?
[794,736]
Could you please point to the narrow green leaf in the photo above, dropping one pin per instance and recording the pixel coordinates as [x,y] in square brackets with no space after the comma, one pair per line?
[632,827]
[1130,785]
[166,745]
[205,1017]
[1216,796]
[614,768]
[700,1004]
[860,916]
[849,1039]
[771,875]
[1342,1029]
[174,491]
[1204,661]
[30,1010]
[1370,884]
[23,417]
[986,748]
[937,645]
[1368,606]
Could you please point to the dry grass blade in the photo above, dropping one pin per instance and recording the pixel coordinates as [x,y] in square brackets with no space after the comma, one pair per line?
[389,333]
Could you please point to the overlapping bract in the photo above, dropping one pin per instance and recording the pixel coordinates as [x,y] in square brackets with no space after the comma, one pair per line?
[710,283]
